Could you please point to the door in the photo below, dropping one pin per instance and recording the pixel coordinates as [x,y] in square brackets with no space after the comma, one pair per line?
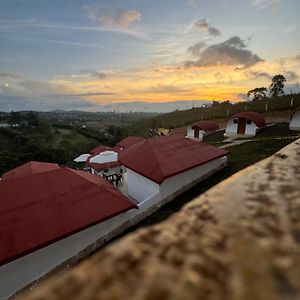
[196,132]
[241,126]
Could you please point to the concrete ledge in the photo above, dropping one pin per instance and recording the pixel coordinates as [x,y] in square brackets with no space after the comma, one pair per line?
[239,240]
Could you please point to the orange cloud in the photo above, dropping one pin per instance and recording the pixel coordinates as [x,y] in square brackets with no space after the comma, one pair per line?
[167,83]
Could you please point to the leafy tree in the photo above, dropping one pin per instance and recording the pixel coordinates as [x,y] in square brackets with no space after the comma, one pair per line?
[215,103]
[14,118]
[33,119]
[116,134]
[258,93]
[277,85]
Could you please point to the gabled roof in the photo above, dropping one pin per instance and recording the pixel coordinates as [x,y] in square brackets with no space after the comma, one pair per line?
[163,157]
[294,112]
[30,168]
[39,209]
[255,117]
[205,125]
[129,141]
[100,149]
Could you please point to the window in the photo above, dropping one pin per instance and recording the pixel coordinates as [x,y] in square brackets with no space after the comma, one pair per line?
[235,121]
[249,122]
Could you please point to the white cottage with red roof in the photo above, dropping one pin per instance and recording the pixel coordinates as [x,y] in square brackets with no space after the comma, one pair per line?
[51,215]
[244,124]
[198,129]
[166,166]
[295,120]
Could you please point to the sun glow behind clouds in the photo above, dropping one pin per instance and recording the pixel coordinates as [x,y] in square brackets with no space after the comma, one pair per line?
[154,51]
[163,84]
[166,83]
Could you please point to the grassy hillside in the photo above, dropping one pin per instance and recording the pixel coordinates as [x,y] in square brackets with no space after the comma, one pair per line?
[18,146]
[31,137]
[222,110]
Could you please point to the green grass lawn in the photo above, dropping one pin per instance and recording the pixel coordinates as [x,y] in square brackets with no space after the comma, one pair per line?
[214,138]
[273,131]
[277,130]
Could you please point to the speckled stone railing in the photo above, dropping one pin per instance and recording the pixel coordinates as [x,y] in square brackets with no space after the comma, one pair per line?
[239,240]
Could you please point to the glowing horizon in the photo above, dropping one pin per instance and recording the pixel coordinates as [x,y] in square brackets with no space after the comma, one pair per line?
[86,54]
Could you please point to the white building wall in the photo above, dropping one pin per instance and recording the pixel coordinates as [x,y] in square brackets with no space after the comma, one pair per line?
[231,127]
[140,187]
[201,134]
[251,129]
[23,271]
[295,121]
[177,182]
[190,132]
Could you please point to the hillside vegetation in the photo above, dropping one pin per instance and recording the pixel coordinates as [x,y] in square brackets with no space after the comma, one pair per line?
[218,110]
[35,138]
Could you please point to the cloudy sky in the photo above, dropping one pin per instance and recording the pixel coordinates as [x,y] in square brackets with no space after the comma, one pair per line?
[76,54]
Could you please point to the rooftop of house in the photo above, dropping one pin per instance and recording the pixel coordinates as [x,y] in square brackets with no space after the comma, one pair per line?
[206,125]
[162,157]
[100,149]
[30,168]
[255,117]
[129,141]
[294,112]
[40,208]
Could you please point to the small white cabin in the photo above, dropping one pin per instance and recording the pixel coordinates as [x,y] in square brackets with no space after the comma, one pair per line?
[163,167]
[295,120]
[197,130]
[244,124]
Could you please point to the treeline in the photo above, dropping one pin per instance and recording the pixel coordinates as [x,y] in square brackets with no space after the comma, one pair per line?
[217,110]
[261,99]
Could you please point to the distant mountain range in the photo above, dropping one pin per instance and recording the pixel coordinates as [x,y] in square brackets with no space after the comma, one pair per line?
[160,107]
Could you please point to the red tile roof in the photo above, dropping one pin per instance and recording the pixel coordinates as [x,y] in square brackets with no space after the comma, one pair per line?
[39,209]
[206,125]
[100,167]
[100,149]
[32,167]
[255,117]
[129,141]
[163,157]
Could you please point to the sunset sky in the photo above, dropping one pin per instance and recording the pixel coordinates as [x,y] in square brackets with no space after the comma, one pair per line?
[81,55]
